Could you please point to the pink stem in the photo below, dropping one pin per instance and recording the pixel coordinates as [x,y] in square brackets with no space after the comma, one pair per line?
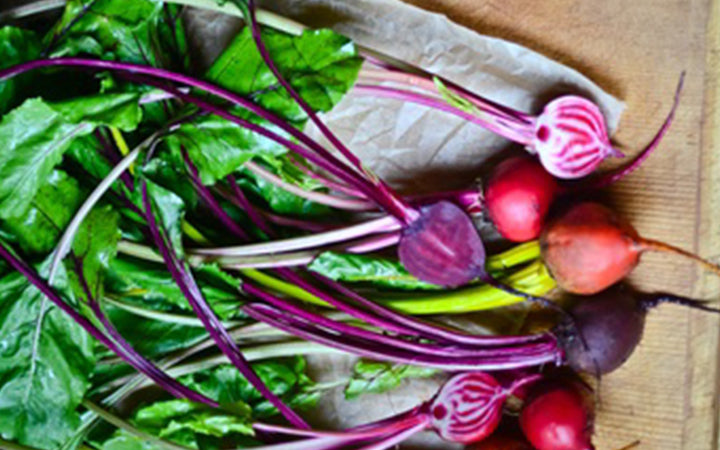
[317,197]
[334,185]
[426,83]
[241,201]
[607,179]
[381,225]
[520,133]
[397,438]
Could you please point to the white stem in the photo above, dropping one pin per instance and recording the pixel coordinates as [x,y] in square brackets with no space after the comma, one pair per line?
[317,197]
[381,225]
[191,321]
[264,17]
[63,247]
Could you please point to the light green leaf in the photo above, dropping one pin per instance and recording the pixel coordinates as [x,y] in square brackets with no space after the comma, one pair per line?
[374,377]
[320,65]
[94,248]
[16,46]
[34,137]
[454,99]
[381,272]
[46,362]
[136,31]
[38,231]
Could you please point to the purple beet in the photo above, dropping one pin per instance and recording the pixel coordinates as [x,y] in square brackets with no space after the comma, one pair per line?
[442,246]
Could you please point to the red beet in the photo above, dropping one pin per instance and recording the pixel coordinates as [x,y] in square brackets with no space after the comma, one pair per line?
[518,195]
[589,248]
[558,416]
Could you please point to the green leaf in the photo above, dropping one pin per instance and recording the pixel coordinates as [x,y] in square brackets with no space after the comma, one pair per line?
[94,248]
[219,147]
[373,377]
[16,46]
[136,31]
[170,212]
[34,137]
[454,99]
[52,208]
[122,440]
[381,272]
[285,378]
[185,422]
[320,65]
[46,362]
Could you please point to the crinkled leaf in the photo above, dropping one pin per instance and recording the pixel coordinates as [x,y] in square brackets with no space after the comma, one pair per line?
[381,272]
[219,147]
[46,362]
[52,208]
[94,248]
[183,422]
[87,153]
[150,285]
[136,31]
[374,377]
[16,46]
[321,66]
[34,136]
[286,378]
[169,210]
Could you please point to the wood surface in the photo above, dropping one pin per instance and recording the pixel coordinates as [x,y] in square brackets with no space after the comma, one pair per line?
[666,395]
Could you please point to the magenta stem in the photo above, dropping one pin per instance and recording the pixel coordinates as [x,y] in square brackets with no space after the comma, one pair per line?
[334,185]
[186,282]
[373,337]
[390,201]
[426,82]
[299,328]
[606,180]
[121,348]
[520,133]
[210,201]
[320,157]
[241,201]
[317,197]
[430,330]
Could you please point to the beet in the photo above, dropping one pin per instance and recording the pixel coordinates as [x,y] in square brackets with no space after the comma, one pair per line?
[442,246]
[518,195]
[588,248]
[558,416]
[609,327]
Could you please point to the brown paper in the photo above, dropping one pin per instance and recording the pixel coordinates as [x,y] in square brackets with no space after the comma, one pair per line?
[414,148]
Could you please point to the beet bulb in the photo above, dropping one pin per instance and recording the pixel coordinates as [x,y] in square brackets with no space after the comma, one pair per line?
[607,327]
[518,195]
[588,248]
[558,416]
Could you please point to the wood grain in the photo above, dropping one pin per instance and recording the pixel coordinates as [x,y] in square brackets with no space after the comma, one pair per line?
[666,396]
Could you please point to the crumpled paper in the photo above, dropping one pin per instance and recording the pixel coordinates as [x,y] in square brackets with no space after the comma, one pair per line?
[412,147]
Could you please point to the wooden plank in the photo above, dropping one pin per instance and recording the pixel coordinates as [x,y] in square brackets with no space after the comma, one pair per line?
[666,395]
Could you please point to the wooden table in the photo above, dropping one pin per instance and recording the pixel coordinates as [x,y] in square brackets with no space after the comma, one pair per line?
[666,394]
